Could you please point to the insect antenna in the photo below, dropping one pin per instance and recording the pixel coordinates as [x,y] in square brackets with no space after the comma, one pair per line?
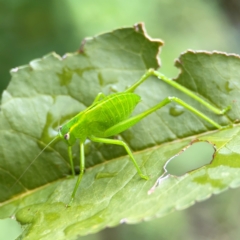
[57,137]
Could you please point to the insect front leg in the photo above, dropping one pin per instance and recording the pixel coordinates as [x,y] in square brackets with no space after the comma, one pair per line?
[71,160]
[82,167]
[123,144]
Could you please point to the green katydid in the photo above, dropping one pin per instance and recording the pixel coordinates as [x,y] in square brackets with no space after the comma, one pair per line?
[109,116]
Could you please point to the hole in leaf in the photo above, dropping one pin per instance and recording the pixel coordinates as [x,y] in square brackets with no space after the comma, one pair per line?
[192,157]
[10,229]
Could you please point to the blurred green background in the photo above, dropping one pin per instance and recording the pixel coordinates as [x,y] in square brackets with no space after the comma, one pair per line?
[31,29]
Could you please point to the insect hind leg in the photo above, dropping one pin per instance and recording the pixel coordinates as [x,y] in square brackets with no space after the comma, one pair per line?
[160,76]
[124,125]
[123,144]
[149,73]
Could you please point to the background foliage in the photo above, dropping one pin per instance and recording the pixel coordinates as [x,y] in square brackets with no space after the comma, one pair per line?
[30,29]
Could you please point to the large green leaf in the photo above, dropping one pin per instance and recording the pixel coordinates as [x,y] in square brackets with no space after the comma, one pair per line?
[49,91]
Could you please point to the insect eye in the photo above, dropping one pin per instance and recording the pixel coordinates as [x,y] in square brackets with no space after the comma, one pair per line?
[66,136]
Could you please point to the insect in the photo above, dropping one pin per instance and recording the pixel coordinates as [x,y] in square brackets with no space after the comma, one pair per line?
[109,116]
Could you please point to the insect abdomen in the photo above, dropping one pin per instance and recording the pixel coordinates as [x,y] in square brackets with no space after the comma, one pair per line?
[110,111]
